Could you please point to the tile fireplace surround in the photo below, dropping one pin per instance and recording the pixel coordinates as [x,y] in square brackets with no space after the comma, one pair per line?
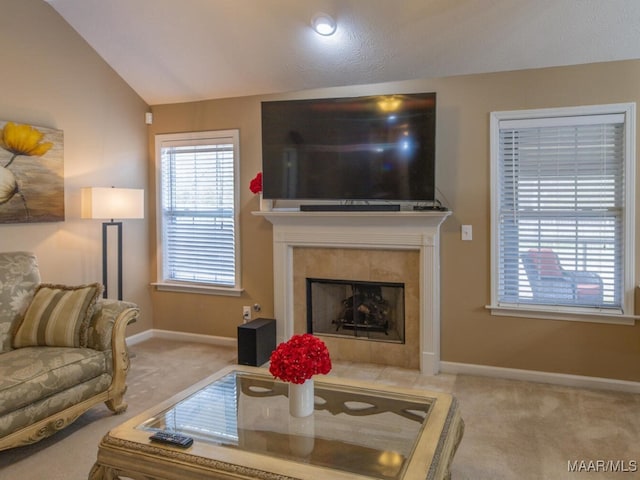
[383,234]
[362,264]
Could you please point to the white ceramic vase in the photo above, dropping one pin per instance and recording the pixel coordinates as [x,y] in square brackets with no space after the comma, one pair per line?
[301,398]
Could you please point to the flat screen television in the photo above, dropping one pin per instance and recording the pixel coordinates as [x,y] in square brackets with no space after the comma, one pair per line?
[371,148]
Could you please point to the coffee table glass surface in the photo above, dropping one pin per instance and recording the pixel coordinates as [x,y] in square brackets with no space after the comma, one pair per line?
[368,433]
[240,422]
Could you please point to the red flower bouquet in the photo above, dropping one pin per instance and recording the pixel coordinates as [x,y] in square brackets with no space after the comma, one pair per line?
[299,358]
[256,183]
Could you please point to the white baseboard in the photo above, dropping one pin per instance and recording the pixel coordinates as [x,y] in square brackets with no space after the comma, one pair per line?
[541,377]
[562,379]
[139,337]
[180,337]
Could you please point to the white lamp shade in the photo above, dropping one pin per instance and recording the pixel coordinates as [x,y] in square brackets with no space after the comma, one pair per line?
[112,203]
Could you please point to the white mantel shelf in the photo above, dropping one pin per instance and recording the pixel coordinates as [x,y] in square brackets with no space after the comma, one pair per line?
[413,230]
[364,228]
[402,217]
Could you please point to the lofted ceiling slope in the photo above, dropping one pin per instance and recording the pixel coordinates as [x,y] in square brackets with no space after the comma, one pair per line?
[172,51]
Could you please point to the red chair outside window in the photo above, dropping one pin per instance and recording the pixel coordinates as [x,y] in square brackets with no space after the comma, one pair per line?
[552,284]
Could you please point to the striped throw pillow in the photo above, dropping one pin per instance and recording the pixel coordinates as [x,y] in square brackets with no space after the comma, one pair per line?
[58,316]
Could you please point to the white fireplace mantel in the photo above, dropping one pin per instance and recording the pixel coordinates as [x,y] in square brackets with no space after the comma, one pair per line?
[404,230]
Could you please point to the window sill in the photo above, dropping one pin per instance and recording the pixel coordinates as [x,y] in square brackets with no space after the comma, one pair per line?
[199,289]
[574,315]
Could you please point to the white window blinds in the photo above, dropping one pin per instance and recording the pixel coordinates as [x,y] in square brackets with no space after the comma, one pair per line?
[198,208]
[560,211]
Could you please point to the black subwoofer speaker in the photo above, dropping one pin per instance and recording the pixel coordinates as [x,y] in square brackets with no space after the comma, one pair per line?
[256,341]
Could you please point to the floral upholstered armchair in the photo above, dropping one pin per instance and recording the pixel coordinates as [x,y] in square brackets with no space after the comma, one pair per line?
[62,351]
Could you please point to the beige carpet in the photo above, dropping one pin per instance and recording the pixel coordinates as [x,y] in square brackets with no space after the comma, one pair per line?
[514,430]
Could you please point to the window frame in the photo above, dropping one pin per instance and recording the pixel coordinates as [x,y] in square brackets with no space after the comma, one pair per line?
[162,282]
[589,314]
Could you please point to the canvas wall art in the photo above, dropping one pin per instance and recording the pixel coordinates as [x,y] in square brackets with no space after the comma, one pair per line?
[31,174]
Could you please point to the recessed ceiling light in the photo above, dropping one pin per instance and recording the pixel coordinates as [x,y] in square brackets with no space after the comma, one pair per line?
[323,24]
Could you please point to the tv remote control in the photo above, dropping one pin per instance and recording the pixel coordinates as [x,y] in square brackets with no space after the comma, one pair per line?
[176,439]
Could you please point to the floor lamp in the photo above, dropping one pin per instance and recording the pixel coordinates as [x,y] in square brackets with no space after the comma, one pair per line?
[111,203]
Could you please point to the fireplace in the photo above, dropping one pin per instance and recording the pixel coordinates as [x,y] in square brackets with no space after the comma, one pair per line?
[347,245]
[361,267]
[351,308]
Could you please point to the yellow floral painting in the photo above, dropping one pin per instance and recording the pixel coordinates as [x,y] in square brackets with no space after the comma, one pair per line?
[31,174]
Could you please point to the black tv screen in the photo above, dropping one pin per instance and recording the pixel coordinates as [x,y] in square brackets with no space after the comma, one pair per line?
[360,148]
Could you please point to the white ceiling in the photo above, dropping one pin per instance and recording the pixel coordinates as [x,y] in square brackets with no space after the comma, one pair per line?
[185,50]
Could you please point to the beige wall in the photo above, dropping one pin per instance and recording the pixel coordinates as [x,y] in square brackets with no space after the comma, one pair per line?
[214,314]
[470,334]
[52,78]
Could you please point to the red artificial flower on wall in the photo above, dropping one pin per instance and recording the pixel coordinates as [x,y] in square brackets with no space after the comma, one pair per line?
[256,183]
[299,358]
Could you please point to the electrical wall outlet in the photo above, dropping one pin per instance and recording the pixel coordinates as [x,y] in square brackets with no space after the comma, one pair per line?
[246,313]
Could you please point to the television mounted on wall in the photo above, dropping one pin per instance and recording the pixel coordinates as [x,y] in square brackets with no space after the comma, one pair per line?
[369,148]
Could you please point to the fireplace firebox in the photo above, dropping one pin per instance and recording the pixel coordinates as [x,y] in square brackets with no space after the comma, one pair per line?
[361,309]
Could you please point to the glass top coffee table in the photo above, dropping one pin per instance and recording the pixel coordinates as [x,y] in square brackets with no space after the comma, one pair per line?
[241,427]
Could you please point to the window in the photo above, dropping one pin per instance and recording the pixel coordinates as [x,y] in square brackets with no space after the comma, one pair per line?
[563,212]
[197,212]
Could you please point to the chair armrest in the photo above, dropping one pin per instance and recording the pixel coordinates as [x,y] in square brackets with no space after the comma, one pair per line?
[583,277]
[107,331]
[108,323]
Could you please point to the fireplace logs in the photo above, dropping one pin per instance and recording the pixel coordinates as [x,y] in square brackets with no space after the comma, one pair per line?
[368,310]
[365,309]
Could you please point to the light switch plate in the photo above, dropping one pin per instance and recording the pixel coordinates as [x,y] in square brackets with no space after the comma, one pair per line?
[466,232]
